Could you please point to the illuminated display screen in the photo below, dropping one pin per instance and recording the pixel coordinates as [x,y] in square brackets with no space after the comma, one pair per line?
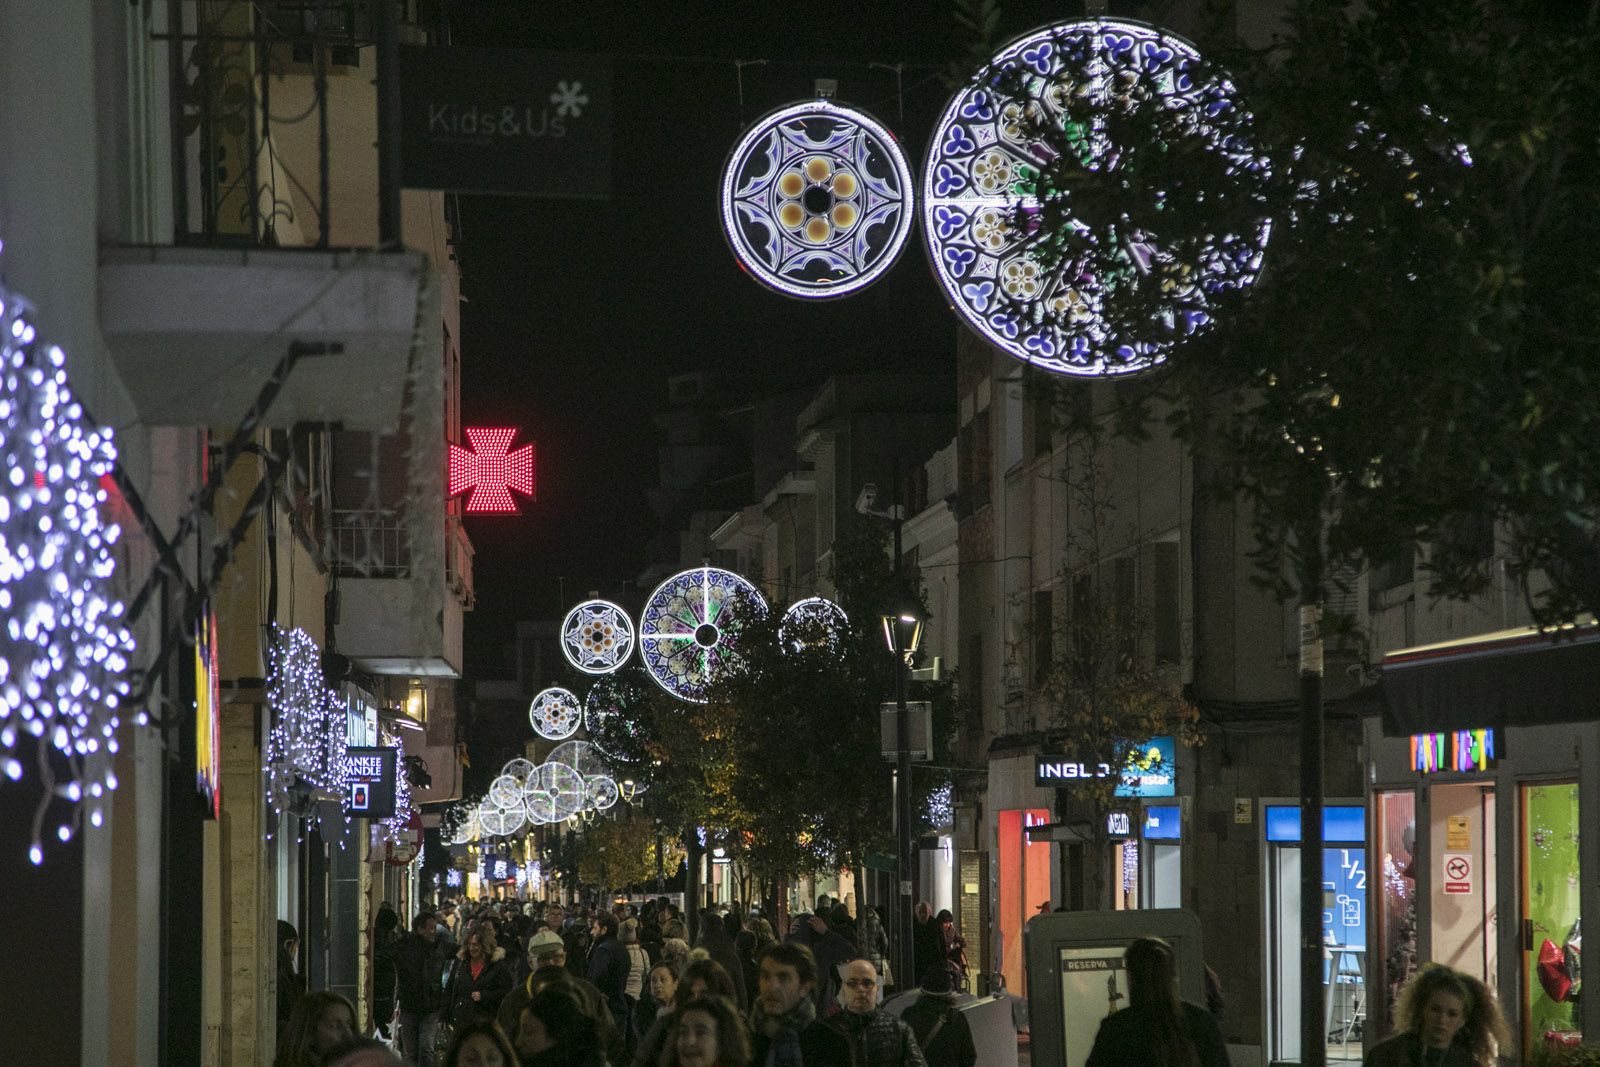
[370,773]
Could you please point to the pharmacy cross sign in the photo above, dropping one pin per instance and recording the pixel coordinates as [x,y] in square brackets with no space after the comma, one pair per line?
[491,470]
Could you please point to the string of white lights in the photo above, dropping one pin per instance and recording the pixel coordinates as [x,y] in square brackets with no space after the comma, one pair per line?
[64,648]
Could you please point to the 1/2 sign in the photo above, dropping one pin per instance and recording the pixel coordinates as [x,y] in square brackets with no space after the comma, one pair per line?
[1458,872]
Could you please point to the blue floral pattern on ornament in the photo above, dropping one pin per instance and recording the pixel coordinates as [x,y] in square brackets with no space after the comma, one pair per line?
[981,198]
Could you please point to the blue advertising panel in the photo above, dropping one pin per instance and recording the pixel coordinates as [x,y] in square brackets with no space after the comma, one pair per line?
[1339,823]
[1152,770]
[1163,824]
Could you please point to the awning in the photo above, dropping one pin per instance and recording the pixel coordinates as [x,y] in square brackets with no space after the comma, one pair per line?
[1521,677]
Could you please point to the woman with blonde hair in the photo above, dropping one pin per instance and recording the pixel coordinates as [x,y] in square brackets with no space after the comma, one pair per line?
[319,1023]
[1445,1019]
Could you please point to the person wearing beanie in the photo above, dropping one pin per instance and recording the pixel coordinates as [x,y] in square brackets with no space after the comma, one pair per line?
[633,988]
[942,1031]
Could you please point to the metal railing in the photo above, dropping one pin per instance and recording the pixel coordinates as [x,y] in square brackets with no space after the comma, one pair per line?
[371,544]
[250,113]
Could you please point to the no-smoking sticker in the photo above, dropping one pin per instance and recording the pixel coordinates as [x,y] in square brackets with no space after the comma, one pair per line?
[1458,872]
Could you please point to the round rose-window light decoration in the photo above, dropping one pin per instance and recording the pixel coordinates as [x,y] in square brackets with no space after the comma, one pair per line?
[817,200]
[813,623]
[1047,101]
[596,637]
[686,624]
[555,713]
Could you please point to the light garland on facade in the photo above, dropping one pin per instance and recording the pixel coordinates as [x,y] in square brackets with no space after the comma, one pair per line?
[306,742]
[64,649]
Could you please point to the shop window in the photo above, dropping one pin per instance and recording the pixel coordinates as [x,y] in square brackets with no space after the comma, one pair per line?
[1550,914]
[1396,818]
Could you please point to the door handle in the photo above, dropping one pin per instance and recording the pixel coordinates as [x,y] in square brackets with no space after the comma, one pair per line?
[1527,935]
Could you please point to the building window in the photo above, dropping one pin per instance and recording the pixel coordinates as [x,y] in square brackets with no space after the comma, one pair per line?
[417,701]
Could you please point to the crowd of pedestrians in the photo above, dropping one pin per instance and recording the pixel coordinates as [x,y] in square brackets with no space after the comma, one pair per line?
[509,986]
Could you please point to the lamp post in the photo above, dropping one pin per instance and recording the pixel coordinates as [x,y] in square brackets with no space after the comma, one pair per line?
[902,632]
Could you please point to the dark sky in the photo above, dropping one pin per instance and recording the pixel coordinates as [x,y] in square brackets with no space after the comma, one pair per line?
[578,311]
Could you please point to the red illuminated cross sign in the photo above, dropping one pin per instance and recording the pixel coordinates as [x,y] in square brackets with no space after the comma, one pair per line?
[490,471]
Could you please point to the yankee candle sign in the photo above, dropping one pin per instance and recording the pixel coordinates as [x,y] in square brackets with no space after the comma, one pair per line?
[496,120]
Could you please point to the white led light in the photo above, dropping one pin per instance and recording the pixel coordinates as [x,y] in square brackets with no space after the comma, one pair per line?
[63,658]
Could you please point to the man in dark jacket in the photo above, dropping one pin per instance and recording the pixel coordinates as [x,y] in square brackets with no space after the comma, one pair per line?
[943,1032]
[419,960]
[608,965]
[877,1038]
[828,949]
[784,1028]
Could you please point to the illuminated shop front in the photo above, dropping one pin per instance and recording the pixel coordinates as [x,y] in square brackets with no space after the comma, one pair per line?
[1475,825]
[1345,889]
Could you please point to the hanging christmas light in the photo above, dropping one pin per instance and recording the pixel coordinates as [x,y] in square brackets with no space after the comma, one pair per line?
[306,743]
[64,648]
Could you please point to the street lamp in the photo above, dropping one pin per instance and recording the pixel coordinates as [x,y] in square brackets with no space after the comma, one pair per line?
[902,632]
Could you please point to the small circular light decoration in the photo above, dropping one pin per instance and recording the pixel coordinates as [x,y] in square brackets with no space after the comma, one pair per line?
[816,200]
[1049,295]
[596,637]
[601,793]
[555,713]
[582,756]
[505,791]
[555,792]
[466,829]
[815,622]
[684,628]
[518,769]
[496,821]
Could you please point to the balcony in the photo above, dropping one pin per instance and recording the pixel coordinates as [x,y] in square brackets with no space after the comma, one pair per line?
[277,297]
[402,594]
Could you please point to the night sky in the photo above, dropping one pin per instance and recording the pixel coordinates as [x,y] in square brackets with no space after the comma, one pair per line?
[578,310]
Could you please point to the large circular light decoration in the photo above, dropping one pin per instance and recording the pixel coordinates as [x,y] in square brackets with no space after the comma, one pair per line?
[684,628]
[1050,295]
[815,622]
[816,200]
[596,637]
[555,792]
[555,713]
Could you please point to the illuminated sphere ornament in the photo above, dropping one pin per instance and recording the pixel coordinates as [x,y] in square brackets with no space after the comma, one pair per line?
[555,713]
[812,623]
[1068,298]
[685,626]
[491,470]
[64,646]
[555,792]
[816,200]
[596,637]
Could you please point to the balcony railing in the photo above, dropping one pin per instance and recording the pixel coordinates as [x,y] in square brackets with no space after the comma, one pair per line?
[252,84]
[371,544]
[377,544]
